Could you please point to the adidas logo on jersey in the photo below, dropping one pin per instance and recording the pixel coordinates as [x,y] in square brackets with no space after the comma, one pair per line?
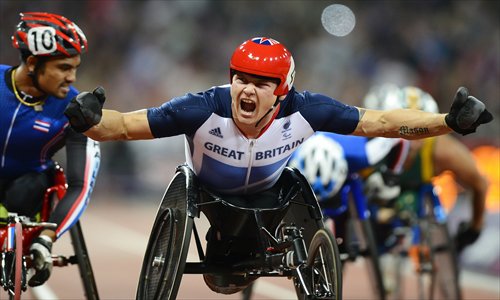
[216,132]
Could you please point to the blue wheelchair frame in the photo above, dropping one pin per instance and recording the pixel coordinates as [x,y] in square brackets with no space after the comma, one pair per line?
[354,202]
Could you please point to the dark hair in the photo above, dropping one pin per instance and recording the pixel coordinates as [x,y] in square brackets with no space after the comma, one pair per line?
[272,79]
[24,54]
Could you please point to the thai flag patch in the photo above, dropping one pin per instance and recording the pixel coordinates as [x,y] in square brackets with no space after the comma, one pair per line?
[41,126]
[264,41]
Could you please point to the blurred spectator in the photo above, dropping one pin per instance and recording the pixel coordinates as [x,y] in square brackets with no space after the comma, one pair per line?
[160,49]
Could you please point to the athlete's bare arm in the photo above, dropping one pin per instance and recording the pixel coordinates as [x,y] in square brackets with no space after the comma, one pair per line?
[400,123]
[450,154]
[115,125]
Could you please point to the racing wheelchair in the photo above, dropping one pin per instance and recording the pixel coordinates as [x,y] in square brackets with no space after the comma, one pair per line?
[423,241]
[284,239]
[17,233]
[351,214]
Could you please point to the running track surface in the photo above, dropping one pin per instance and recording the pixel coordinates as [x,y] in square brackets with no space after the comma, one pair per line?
[116,233]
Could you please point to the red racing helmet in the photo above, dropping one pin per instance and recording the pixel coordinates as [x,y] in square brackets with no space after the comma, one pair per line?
[47,34]
[265,57]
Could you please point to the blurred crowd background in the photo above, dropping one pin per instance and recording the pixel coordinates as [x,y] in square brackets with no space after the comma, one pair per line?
[146,52]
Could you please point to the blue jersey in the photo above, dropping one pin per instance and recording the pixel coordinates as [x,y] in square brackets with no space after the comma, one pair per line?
[362,152]
[227,161]
[30,138]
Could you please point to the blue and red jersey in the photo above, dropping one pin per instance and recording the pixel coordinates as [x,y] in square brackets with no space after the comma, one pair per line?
[30,138]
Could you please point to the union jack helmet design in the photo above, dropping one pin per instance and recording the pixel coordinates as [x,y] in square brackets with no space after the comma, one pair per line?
[48,34]
[265,57]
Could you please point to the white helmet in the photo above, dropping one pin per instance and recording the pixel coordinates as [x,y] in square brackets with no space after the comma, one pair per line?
[390,96]
[322,162]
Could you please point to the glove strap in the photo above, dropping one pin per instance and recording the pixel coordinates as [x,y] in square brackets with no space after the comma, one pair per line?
[45,241]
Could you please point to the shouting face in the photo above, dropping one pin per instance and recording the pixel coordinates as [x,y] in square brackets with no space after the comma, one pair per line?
[252,97]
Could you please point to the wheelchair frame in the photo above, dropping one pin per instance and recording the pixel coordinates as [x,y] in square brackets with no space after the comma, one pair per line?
[360,239]
[428,244]
[300,247]
[18,233]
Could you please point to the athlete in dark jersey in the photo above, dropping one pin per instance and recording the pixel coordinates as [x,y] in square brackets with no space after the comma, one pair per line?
[33,127]
[246,131]
[246,165]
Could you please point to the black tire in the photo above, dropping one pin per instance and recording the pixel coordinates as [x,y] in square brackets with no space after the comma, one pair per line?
[444,275]
[371,257]
[166,255]
[437,264]
[447,263]
[83,262]
[246,294]
[324,276]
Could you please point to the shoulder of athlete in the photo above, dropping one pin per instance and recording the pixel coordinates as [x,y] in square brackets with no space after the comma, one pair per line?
[3,68]
[214,98]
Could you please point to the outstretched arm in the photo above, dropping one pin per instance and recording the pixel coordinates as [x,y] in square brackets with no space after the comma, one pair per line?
[401,123]
[86,115]
[466,114]
[115,125]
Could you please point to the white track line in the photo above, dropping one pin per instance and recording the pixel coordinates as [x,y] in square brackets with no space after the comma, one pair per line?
[480,281]
[270,290]
[43,292]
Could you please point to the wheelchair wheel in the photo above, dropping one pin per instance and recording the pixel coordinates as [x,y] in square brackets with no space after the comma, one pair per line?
[246,294]
[438,273]
[324,277]
[364,231]
[168,245]
[446,263]
[166,255]
[83,261]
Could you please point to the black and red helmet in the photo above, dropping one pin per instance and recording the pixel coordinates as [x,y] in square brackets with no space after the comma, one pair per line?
[265,57]
[47,34]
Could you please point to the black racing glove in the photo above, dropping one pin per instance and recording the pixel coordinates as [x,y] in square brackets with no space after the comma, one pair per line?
[467,113]
[466,235]
[85,110]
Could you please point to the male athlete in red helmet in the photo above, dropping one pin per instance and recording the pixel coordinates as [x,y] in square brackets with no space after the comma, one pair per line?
[245,132]
[33,127]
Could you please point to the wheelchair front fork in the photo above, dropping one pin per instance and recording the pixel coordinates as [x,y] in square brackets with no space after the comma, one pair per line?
[298,255]
[291,238]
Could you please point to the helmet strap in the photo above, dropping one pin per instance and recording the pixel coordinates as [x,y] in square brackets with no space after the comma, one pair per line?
[33,75]
[270,110]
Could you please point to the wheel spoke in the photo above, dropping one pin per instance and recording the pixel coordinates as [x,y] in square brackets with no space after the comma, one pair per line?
[166,253]
[324,263]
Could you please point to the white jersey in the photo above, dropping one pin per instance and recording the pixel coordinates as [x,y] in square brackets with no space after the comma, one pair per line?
[228,162]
